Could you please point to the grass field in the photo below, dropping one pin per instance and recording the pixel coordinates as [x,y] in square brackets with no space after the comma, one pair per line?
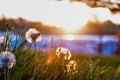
[39,65]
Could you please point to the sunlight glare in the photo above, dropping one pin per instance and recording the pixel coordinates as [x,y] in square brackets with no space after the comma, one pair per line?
[69,37]
[69,14]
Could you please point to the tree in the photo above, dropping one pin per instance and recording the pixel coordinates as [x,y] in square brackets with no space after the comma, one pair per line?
[113,5]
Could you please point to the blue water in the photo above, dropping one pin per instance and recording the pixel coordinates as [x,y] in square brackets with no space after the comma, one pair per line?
[83,43]
[75,43]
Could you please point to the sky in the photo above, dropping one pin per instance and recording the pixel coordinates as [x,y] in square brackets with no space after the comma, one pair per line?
[66,14]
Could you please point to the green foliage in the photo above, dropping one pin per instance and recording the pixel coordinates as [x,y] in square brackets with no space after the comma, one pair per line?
[51,67]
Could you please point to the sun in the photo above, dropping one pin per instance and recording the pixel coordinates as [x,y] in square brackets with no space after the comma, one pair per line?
[68,15]
[73,15]
[76,17]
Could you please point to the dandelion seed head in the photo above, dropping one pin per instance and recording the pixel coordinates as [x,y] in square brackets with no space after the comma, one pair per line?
[71,66]
[63,52]
[33,35]
[7,59]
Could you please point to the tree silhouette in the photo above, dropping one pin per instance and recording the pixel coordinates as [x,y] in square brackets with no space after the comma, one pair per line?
[113,5]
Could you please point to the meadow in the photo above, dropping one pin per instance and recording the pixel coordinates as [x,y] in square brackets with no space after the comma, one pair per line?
[27,64]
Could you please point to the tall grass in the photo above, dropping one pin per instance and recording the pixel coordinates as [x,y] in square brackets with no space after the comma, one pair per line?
[51,67]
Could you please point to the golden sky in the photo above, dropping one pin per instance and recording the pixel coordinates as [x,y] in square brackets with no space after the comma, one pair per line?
[70,15]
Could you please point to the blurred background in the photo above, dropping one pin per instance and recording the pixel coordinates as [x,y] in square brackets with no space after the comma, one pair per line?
[83,26]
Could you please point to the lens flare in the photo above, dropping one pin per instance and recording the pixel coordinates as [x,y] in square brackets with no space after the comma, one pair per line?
[90,49]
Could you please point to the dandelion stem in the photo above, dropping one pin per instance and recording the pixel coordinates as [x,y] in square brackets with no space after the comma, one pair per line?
[34,72]
[36,60]
[5,74]
[8,73]
[30,46]
[35,52]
